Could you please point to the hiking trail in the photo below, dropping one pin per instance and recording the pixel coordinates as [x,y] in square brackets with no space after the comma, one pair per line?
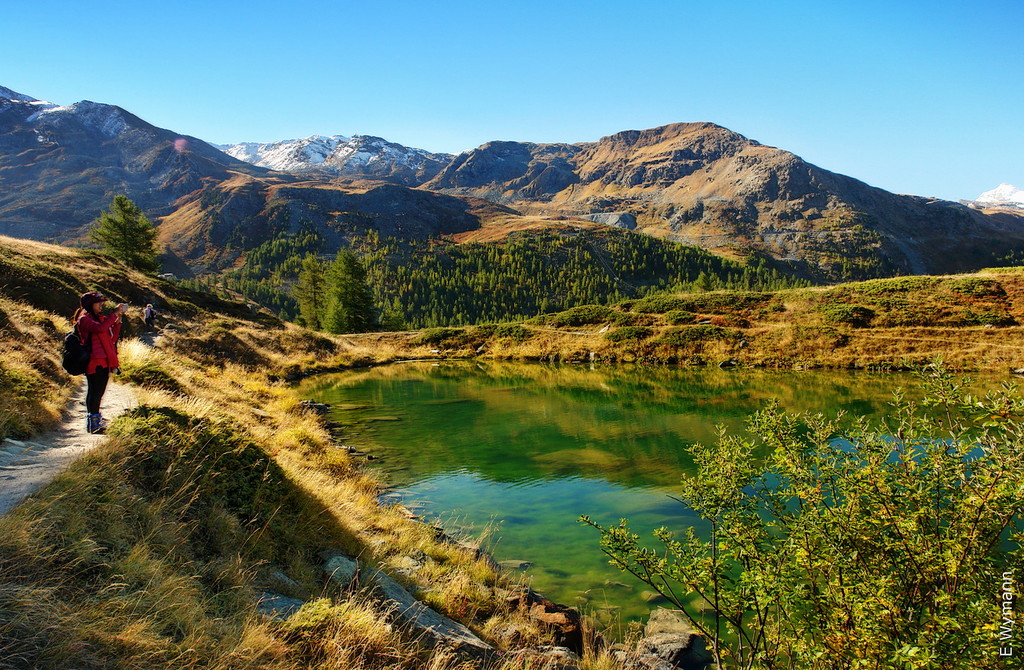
[28,465]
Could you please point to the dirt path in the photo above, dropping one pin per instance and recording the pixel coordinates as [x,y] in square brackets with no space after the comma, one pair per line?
[27,465]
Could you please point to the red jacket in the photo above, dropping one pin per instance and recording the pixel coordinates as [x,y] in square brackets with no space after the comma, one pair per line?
[102,332]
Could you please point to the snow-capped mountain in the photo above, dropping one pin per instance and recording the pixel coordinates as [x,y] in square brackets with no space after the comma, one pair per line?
[1002,195]
[61,165]
[8,94]
[361,155]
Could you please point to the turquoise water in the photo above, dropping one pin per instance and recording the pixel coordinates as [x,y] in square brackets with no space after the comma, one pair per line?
[522,450]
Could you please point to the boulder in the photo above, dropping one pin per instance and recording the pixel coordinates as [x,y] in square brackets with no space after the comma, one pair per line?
[277,607]
[616,219]
[432,626]
[671,642]
[427,623]
[565,622]
[515,564]
[341,569]
[314,407]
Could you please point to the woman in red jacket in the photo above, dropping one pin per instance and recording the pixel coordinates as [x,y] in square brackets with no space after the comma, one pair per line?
[101,332]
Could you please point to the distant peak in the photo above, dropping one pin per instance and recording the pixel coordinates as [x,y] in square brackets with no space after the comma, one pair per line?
[1004,194]
[14,95]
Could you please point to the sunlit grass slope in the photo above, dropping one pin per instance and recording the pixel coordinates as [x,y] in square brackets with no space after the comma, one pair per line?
[974,322]
[151,551]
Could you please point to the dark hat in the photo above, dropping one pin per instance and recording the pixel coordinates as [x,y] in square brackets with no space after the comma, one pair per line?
[90,298]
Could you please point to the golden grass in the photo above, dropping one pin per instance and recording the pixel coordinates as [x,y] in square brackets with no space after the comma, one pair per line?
[95,570]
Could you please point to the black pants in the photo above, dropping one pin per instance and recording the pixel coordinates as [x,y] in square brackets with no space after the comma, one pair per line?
[97,382]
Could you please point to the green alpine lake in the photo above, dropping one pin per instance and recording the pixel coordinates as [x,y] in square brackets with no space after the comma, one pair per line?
[522,450]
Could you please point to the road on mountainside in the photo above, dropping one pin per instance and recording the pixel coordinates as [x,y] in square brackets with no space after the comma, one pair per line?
[28,465]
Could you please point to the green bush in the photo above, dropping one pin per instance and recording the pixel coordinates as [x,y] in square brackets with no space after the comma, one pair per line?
[443,336]
[513,331]
[858,316]
[988,318]
[886,546]
[628,333]
[580,316]
[679,317]
[976,287]
[659,304]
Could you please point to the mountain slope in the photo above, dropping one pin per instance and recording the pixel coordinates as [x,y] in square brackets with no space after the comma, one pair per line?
[359,155]
[702,184]
[60,166]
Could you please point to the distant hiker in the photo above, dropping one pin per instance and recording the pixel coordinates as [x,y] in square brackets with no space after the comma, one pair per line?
[149,316]
[101,331]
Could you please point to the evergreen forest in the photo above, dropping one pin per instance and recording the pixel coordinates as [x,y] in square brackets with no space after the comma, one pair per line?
[437,282]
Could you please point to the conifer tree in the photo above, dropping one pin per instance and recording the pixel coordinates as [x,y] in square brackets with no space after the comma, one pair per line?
[311,291]
[349,304]
[127,235]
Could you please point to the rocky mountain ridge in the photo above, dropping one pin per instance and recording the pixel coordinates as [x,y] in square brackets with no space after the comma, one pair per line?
[702,184]
[61,165]
[694,183]
[338,155]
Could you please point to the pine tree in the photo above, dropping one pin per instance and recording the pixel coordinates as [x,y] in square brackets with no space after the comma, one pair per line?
[349,304]
[311,291]
[128,235]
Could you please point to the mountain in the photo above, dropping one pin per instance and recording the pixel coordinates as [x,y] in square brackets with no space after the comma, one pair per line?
[359,155]
[240,213]
[702,184]
[694,183]
[61,166]
[1004,195]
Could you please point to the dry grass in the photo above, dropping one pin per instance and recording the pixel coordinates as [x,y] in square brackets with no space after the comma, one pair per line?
[148,552]
[973,322]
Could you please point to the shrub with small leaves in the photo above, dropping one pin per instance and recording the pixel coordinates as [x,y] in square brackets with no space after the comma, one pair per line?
[629,333]
[878,545]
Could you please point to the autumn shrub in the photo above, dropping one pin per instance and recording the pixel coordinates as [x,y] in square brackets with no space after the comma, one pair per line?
[873,545]
[628,333]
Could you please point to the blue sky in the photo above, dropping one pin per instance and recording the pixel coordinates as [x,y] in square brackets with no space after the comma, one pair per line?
[915,97]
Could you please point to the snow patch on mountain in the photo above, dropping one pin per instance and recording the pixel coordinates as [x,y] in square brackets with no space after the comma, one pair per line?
[14,95]
[337,154]
[107,119]
[1004,194]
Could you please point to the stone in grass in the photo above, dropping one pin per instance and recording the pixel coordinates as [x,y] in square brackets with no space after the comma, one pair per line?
[277,607]
[432,626]
[341,569]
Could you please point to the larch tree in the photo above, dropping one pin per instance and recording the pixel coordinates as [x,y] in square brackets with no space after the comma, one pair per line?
[311,291]
[349,303]
[126,234]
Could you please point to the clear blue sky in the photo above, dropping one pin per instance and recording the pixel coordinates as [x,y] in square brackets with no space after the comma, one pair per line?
[915,97]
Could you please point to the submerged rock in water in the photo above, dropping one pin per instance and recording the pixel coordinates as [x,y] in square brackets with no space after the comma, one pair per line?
[515,564]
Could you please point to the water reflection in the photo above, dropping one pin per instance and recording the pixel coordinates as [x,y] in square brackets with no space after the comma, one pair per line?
[531,447]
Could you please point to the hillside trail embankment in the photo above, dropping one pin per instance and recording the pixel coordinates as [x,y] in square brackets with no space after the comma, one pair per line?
[28,465]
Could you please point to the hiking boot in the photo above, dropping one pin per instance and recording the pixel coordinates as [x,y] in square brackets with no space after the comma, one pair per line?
[95,425]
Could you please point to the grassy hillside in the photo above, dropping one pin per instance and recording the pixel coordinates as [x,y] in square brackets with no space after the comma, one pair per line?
[150,551]
[974,322]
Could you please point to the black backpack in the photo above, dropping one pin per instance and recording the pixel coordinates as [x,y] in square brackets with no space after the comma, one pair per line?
[74,355]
